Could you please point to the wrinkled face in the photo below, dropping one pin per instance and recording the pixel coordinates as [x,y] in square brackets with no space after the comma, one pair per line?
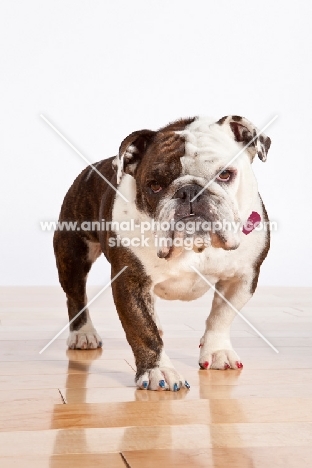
[186,182]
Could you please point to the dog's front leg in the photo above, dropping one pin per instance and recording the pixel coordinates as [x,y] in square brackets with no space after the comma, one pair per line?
[134,303]
[216,351]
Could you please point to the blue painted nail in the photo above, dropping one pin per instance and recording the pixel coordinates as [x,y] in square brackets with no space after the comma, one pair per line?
[145,384]
[175,387]
[187,385]
[100,344]
[162,383]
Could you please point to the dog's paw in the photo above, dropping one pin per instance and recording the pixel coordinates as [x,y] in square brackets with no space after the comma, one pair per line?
[162,378]
[221,359]
[84,340]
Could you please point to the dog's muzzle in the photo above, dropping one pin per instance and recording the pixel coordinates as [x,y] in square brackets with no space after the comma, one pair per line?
[190,205]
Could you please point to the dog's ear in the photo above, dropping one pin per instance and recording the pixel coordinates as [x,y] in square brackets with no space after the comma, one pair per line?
[131,152]
[246,133]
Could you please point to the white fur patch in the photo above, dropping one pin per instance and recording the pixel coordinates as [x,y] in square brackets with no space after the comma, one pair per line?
[85,338]
[120,161]
[216,350]
[208,149]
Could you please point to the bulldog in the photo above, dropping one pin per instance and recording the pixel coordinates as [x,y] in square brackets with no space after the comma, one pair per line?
[181,180]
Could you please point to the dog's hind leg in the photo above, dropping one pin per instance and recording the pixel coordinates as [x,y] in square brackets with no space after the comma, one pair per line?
[74,258]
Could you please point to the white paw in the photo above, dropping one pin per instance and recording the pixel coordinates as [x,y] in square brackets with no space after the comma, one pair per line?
[162,378]
[84,340]
[220,359]
[216,352]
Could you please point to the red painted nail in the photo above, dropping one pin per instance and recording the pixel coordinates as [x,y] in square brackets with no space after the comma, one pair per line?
[226,366]
[206,364]
[200,345]
[239,365]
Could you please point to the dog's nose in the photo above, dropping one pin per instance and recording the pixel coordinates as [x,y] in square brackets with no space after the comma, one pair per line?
[188,192]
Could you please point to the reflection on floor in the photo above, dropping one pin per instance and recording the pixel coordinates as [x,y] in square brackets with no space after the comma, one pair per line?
[80,408]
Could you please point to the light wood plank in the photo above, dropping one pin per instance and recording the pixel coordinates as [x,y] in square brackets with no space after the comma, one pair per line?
[104,395]
[109,460]
[26,415]
[159,437]
[108,379]
[118,379]
[43,416]
[31,395]
[181,413]
[63,354]
[249,376]
[64,367]
[262,457]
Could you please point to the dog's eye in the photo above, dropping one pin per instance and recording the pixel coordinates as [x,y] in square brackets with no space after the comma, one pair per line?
[224,176]
[156,187]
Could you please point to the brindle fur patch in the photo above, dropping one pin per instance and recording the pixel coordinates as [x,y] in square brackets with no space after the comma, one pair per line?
[263,253]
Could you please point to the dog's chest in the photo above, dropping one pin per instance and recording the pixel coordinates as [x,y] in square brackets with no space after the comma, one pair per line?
[179,278]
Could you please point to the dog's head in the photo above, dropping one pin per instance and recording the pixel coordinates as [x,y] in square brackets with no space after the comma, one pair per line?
[192,171]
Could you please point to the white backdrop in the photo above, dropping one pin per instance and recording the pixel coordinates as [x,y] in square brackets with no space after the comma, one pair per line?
[99,70]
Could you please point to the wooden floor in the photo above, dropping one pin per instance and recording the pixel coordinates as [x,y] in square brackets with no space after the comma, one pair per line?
[81,409]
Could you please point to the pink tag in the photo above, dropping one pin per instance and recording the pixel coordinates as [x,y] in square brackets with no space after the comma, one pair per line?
[252,222]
